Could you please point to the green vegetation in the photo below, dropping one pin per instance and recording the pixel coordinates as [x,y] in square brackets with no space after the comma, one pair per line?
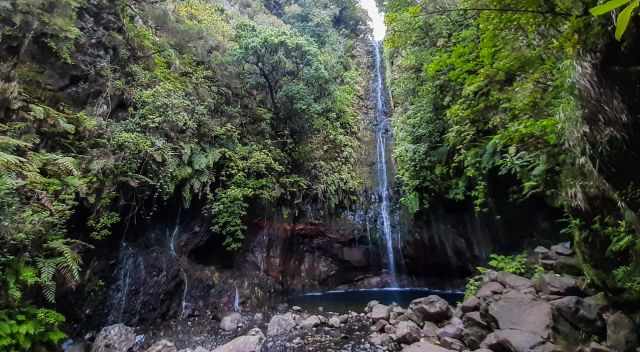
[487,103]
[196,104]
[514,264]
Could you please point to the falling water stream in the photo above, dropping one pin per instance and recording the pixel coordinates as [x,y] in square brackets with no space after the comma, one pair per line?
[382,131]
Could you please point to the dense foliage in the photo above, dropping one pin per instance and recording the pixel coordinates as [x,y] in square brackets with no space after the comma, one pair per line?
[487,102]
[108,110]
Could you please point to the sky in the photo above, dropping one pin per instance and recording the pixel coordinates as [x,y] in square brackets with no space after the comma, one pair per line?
[379,28]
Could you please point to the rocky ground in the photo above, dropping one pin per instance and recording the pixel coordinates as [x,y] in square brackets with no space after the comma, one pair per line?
[551,312]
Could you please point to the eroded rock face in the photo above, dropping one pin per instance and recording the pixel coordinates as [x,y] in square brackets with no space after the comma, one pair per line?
[114,338]
[252,342]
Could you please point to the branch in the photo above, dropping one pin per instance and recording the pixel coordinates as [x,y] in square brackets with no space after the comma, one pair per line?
[536,12]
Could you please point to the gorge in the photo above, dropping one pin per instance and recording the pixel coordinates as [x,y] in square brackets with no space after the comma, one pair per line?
[292,175]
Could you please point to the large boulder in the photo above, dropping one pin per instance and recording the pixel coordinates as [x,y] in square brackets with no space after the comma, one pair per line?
[453,329]
[231,322]
[475,329]
[114,338]
[432,308]
[252,342]
[424,346]
[553,284]
[379,312]
[514,281]
[162,346]
[281,324]
[430,331]
[511,340]
[471,304]
[407,332]
[489,289]
[622,334]
[522,312]
[574,316]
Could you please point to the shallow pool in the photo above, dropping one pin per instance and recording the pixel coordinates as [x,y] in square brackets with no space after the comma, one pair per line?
[356,300]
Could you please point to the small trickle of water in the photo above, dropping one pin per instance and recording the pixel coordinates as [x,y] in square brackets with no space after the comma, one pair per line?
[184,305]
[236,302]
[382,169]
[119,299]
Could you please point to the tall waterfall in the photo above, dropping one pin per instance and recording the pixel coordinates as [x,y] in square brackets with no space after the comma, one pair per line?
[382,133]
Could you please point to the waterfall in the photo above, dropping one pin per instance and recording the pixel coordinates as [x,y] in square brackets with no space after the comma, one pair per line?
[382,131]
[121,290]
[172,238]
[236,301]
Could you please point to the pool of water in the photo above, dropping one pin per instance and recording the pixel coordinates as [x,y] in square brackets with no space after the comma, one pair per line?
[356,300]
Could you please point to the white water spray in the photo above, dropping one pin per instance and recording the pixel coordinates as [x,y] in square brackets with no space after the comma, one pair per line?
[384,194]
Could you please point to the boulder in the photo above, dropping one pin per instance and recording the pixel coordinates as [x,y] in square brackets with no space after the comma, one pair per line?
[489,289]
[380,339]
[574,316]
[514,281]
[542,252]
[470,305]
[568,265]
[622,334]
[522,312]
[370,305]
[430,330]
[380,311]
[432,308]
[475,330]
[410,315]
[548,347]
[114,338]
[231,322]
[452,344]
[197,349]
[334,322]
[162,346]
[378,326]
[510,340]
[452,329]
[424,346]
[311,322]
[553,284]
[562,249]
[281,324]
[252,342]
[407,332]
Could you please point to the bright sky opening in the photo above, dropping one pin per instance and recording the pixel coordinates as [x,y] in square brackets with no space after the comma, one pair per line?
[377,18]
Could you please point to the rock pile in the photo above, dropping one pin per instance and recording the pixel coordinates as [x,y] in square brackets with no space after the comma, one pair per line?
[553,312]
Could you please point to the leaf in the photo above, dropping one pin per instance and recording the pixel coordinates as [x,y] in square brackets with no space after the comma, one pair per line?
[624,18]
[608,7]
